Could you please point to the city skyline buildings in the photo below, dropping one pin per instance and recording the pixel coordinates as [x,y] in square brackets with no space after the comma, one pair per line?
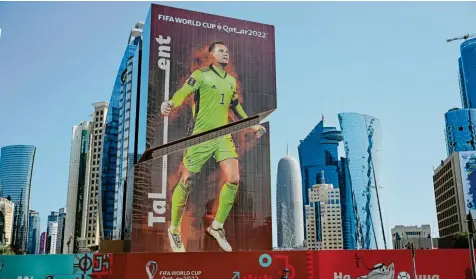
[119,137]
[16,168]
[289,215]
[78,182]
[34,232]
[362,137]
[467,73]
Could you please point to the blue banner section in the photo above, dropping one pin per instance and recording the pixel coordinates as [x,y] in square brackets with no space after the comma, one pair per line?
[46,266]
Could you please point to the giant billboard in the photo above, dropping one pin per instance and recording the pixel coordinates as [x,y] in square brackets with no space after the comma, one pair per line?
[203,71]
[467,160]
[212,196]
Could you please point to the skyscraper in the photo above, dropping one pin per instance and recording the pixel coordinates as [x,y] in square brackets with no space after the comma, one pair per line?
[6,221]
[362,136]
[34,233]
[467,73]
[289,215]
[61,227]
[16,168]
[119,137]
[42,243]
[53,217]
[52,237]
[77,184]
[319,152]
[92,217]
[460,130]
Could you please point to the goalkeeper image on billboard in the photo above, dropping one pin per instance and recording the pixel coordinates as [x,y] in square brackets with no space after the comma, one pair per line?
[215,96]
[207,205]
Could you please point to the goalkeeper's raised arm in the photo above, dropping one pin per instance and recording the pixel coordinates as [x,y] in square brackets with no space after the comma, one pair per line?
[192,85]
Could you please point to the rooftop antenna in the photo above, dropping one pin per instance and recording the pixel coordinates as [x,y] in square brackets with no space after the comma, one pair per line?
[287,148]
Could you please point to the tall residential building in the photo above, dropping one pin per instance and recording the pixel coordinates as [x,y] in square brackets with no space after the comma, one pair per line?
[92,214]
[119,137]
[323,217]
[362,136]
[34,233]
[61,227]
[7,210]
[460,130]
[454,184]
[53,217]
[289,215]
[467,73]
[43,243]
[78,183]
[52,237]
[420,237]
[16,168]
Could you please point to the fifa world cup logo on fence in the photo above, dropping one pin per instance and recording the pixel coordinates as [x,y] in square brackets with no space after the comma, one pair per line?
[151,268]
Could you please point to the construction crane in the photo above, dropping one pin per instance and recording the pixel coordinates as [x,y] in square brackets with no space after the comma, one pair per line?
[465,37]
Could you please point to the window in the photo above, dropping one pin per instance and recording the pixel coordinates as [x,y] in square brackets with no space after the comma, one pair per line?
[460,128]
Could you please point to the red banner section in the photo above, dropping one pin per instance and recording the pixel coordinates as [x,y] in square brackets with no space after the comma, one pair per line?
[388,264]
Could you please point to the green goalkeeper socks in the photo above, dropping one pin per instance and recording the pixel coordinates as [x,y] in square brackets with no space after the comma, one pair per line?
[227,198]
[179,201]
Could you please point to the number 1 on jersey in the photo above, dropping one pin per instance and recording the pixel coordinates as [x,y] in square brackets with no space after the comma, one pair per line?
[222,99]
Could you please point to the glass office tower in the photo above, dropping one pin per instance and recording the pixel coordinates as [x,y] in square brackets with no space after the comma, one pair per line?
[467,72]
[34,233]
[16,168]
[362,136]
[460,130]
[119,137]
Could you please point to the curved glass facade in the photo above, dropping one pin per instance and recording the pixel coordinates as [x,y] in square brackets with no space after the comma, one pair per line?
[467,67]
[362,140]
[16,167]
[460,130]
[117,142]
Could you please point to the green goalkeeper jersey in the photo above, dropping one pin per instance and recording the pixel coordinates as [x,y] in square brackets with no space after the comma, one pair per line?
[215,95]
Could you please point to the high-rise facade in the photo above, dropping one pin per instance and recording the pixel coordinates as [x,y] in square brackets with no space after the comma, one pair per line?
[119,137]
[61,227]
[34,233]
[289,215]
[43,243]
[92,215]
[16,168]
[362,136]
[53,217]
[319,152]
[454,182]
[52,237]
[467,73]
[6,221]
[460,130]
[77,184]
[323,217]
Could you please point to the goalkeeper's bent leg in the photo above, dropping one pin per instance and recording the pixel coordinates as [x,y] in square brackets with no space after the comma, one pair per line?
[179,201]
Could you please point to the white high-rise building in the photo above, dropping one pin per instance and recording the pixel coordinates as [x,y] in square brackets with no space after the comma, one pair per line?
[7,208]
[323,217]
[53,236]
[77,184]
[290,222]
[92,195]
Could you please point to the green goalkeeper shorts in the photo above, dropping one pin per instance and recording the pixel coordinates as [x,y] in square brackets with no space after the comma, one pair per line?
[220,148]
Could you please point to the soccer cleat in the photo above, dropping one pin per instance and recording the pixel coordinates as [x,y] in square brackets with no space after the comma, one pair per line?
[176,242]
[219,235]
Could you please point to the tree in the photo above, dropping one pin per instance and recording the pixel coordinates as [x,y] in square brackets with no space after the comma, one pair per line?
[6,250]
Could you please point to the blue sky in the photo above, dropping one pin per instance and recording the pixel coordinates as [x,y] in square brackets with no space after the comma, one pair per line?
[388,60]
